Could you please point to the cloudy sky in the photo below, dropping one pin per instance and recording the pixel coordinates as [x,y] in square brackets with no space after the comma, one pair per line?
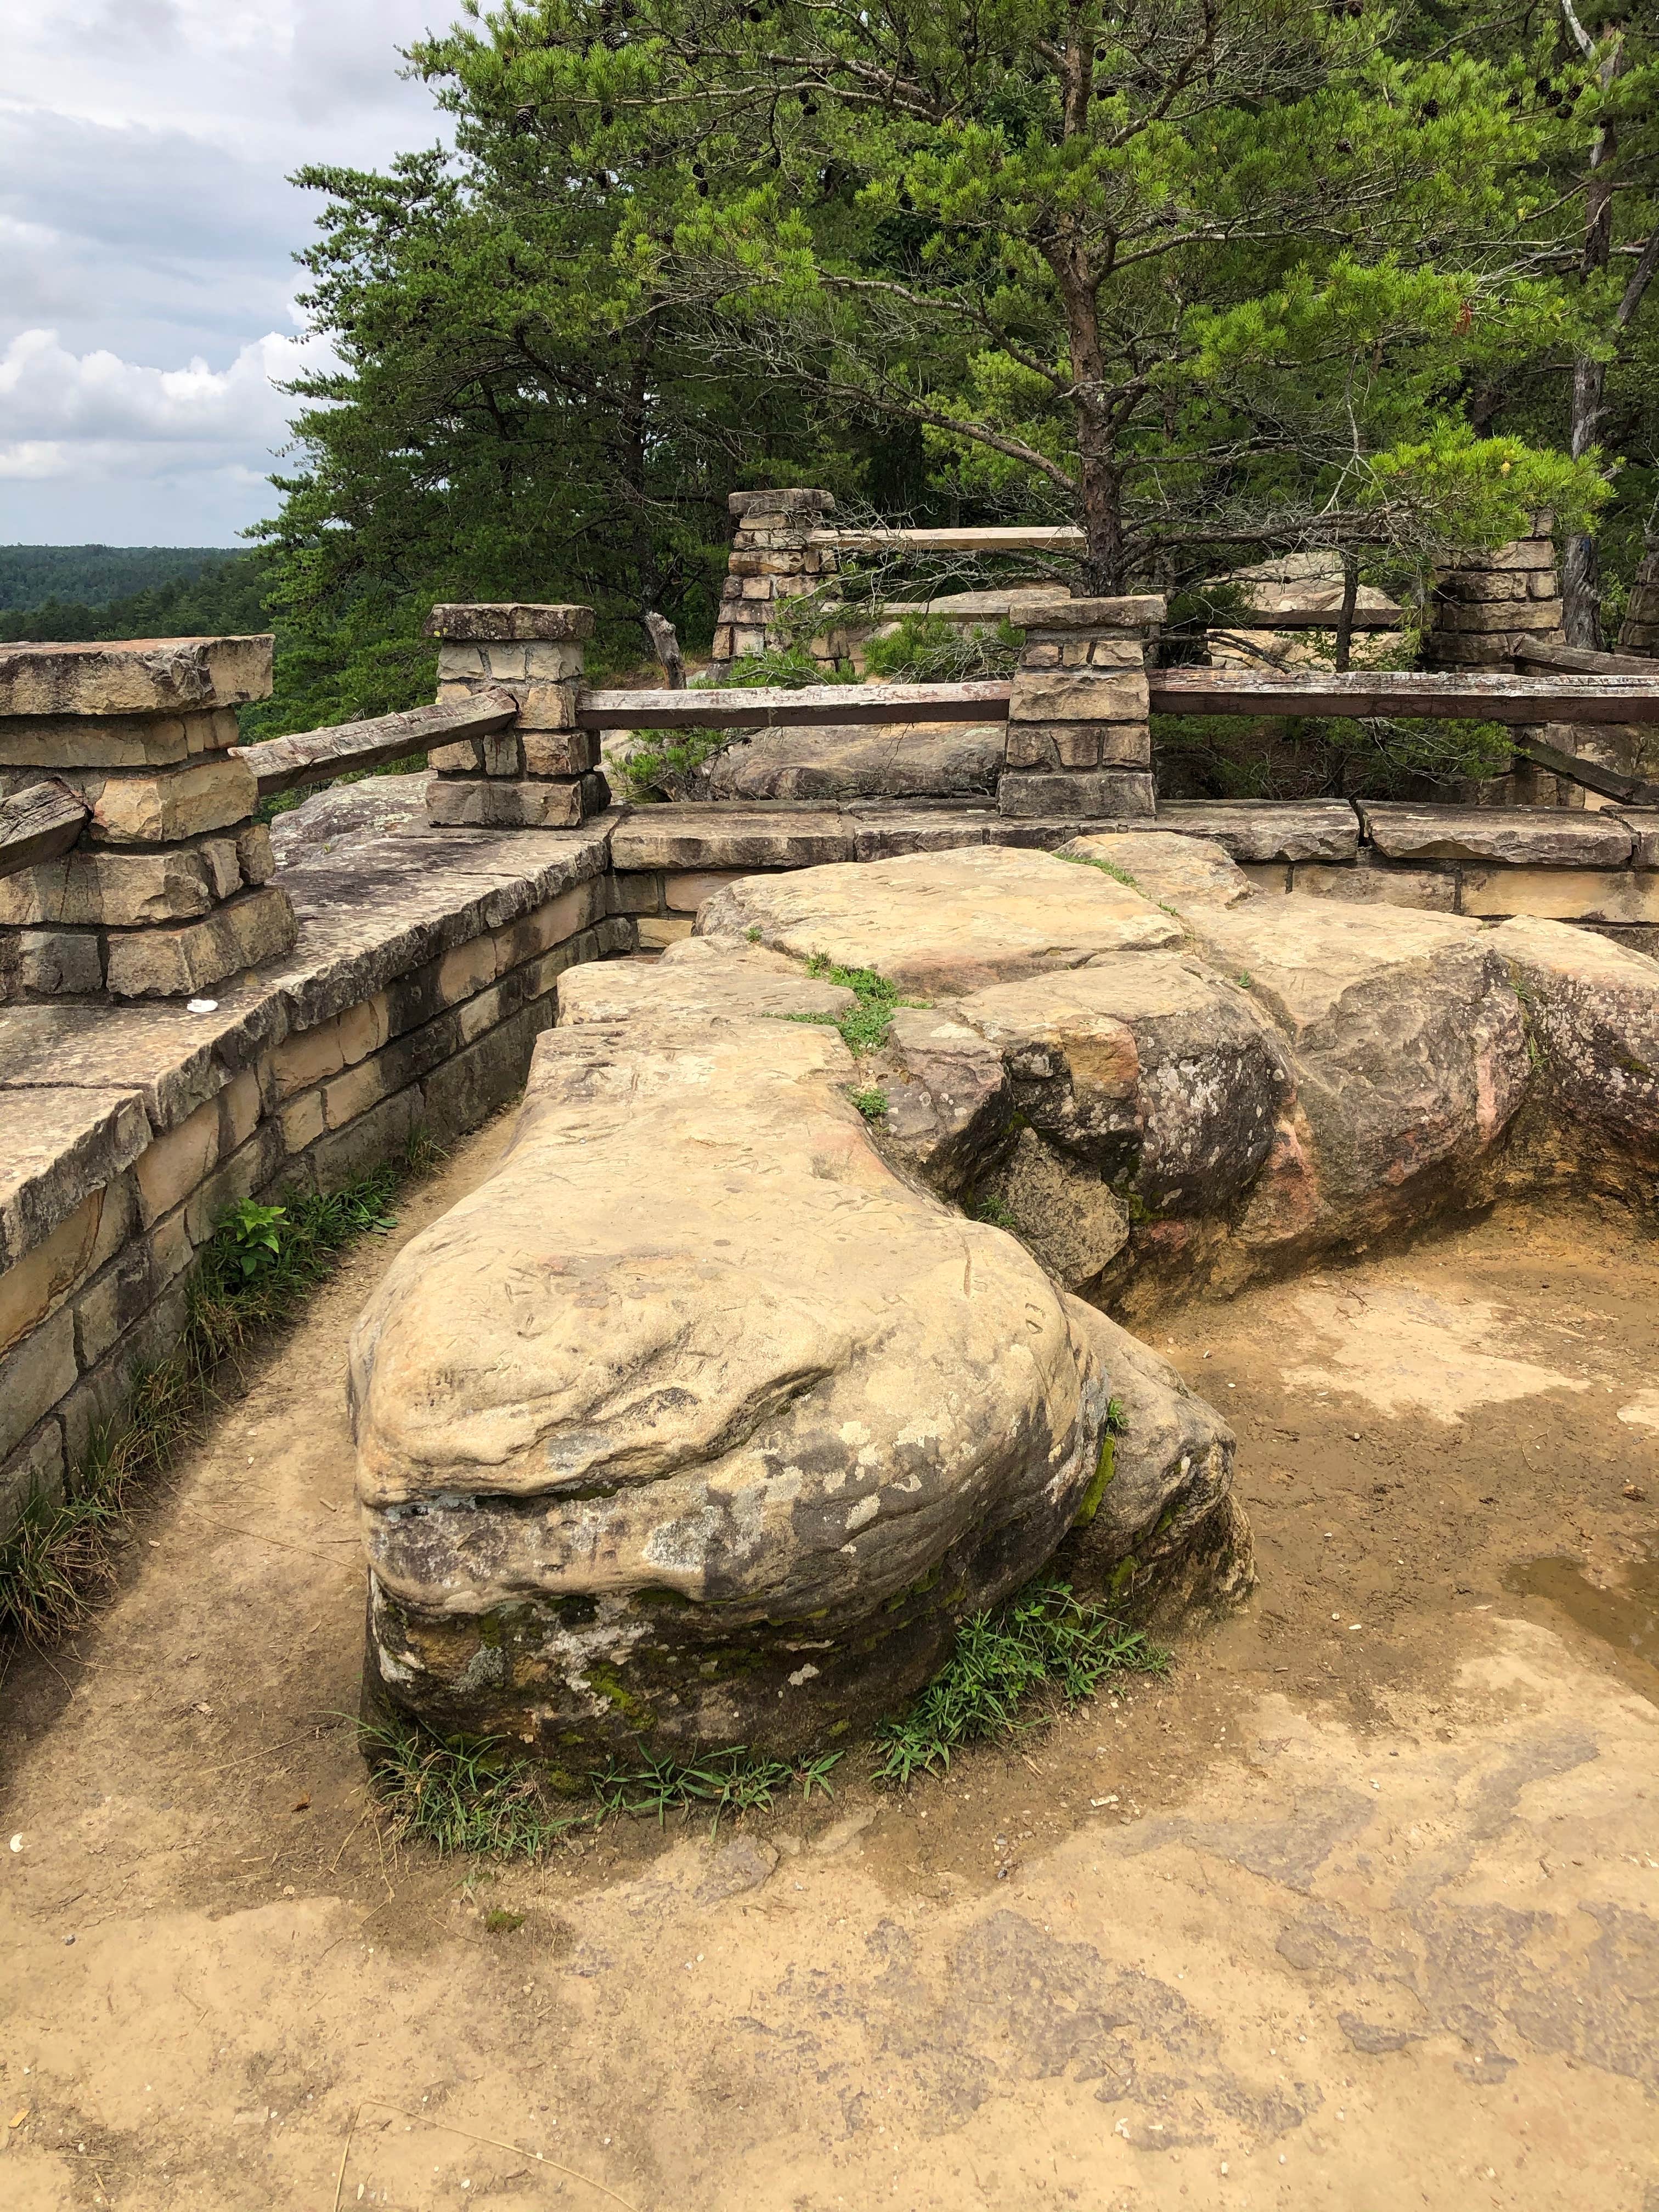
[147,284]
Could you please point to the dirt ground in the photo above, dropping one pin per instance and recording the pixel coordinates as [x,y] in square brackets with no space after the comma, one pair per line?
[1358,1909]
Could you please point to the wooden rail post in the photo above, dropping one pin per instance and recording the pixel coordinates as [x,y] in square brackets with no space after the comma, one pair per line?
[541,773]
[772,560]
[1079,742]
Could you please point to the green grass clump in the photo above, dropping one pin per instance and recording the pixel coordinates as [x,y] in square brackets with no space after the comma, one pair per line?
[1042,1640]
[263,1260]
[483,1796]
[871,1103]
[865,1025]
[464,1797]
[1107,867]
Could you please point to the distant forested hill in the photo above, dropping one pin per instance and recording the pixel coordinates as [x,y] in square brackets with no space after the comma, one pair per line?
[92,576]
[225,596]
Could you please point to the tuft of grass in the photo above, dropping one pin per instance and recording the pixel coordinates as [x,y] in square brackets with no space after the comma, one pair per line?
[1107,868]
[481,1795]
[263,1261]
[865,1025]
[253,1272]
[470,1795]
[737,1780]
[992,1209]
[1043,1640]
[872,1102]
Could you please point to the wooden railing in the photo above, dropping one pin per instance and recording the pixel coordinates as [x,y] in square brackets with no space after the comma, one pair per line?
[319,755]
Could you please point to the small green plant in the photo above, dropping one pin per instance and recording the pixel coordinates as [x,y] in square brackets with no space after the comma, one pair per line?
[1042,1640]
[252,1272]
[1244,979]
[865,1025]
[753,932]
[463,1796]
[253,1236]
[498,1921]
[1107,867]
[991,1208]
[737,1780]
[782,668]
[871,1103]
[930,648]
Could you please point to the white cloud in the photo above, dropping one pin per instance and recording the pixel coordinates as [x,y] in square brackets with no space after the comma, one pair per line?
[97,404]
[146,220]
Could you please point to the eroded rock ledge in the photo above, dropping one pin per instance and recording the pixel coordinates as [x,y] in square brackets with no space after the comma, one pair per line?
[711,1413]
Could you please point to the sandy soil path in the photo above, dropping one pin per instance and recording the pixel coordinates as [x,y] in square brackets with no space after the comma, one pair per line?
[1359,1911]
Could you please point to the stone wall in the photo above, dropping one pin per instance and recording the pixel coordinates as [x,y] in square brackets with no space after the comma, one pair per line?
[771,561]
[427,969]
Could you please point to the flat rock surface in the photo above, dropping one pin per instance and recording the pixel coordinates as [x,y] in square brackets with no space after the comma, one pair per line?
[947,922]
[900,760]
[1522,836]
[1174,869]
[347,817]
[1303,957]
[699,979]
[709,836]
[1268,828]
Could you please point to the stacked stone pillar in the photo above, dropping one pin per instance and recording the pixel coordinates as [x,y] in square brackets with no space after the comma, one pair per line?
[1080,736]
[167,892]
[771,561]
[543,773]
[1486,605]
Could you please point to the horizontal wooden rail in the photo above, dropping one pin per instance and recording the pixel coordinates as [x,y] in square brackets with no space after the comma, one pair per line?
[39,823]
[1032,537]
[1576,660]
[1476,697]
[815,706]
[319,755]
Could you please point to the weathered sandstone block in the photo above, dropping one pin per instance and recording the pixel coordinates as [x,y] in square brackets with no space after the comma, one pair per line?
[162,963]
[72,741]
[137,676]
[726,1469]
[176,803]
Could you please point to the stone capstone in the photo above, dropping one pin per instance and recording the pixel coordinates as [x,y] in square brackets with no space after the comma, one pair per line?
[173,676]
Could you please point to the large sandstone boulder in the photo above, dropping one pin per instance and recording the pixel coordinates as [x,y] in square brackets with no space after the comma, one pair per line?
[898,760]
[694,1423]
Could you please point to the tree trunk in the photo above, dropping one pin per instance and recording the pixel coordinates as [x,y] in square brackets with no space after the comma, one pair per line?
[1580,565]
[1345,617]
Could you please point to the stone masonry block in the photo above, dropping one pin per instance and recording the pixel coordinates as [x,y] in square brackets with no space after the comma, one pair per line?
[637,891]
[250,1169]
[560,752]
[50,964]
[483,804]
[118,890]
[547,706]
[43,1278]
[553,663]
[1029,744]
[149,964]
[134,676]
[1089,795]
[1083,695]
[35,1470]
[177,1163]
[1132,615]
[254,857]
[656,931]
[502,622]
[301,1122]
[34,1376]
[160,807]
[684,894]
[134,741]
[467,968]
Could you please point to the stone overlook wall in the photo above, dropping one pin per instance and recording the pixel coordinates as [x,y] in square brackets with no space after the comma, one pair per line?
[425,972]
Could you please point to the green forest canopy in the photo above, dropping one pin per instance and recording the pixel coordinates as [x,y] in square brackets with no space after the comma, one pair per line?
[92,576]
[1212,278]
